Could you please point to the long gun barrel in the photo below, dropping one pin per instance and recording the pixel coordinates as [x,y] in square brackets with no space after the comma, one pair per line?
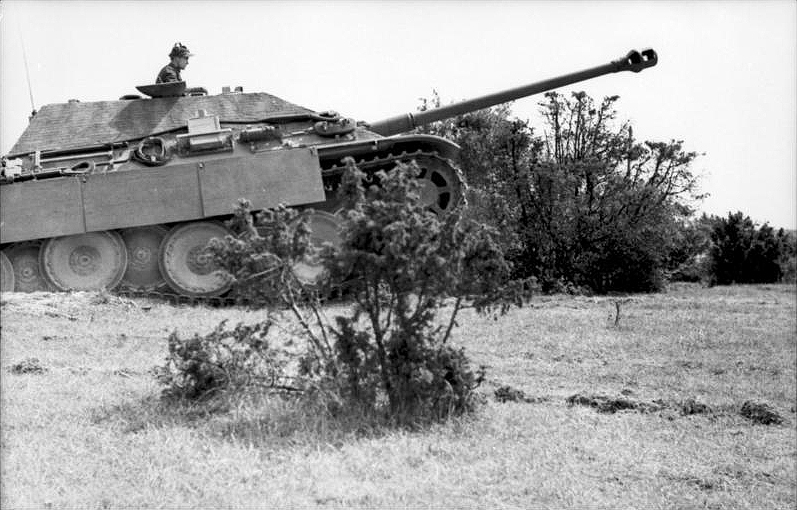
[634,61]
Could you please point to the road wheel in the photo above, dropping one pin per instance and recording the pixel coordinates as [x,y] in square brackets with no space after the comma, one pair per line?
[91,261]
[28,274]
[186,266]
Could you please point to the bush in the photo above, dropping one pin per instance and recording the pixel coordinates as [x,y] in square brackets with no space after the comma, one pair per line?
[742,253]
[224,360]
[408,274]
[583,205]
[403,263]
[787,243]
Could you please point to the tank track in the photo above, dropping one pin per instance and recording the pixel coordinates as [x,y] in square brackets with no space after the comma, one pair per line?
[370,164]
[378,161]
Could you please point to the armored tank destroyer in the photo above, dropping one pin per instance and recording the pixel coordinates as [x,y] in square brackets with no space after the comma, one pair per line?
[98,195]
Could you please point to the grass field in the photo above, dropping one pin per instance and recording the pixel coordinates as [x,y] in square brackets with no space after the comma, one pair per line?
[88,430]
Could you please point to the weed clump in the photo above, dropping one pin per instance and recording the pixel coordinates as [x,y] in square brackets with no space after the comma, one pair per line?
[223,360]
[760,413]
[28,366]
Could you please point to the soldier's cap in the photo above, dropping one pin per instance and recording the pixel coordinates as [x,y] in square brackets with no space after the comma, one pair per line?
[180,51]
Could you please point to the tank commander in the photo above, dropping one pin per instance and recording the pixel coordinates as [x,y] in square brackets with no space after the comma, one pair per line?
[171,71]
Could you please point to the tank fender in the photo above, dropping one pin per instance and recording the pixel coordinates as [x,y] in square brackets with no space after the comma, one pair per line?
[395,144]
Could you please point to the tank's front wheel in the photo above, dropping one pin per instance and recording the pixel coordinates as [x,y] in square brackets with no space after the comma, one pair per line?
[143,270]
[6,274]
[24,258]
[91,261]
[186,266]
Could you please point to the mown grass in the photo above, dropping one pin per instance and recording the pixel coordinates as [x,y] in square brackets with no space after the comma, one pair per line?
[91,432]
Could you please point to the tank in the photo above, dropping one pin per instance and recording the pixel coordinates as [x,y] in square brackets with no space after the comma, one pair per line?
[126,194]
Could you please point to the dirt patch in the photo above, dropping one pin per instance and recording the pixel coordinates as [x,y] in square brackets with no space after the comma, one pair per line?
[28,366]
[610,405]
[509,394]
[53,338]
[758,412]
[704,484]
[691,406]
[691,364]
[761,413]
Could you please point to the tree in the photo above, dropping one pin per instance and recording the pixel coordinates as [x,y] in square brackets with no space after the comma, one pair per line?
[622,200]
[585,203]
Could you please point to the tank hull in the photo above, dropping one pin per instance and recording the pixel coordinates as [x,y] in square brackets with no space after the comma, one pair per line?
[202,188]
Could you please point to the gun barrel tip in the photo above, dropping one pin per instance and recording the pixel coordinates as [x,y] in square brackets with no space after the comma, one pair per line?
[650,56]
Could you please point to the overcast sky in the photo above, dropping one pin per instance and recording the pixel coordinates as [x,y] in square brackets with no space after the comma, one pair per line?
[726,82]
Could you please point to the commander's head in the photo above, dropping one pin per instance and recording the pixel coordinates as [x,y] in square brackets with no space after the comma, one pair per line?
[179,56]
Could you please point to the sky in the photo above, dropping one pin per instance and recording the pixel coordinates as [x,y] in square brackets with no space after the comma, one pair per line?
[725,84]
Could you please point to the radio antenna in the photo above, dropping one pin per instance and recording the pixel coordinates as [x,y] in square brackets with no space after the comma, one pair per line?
[27,73]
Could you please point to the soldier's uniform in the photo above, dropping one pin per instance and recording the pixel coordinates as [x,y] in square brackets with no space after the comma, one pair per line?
[168,74]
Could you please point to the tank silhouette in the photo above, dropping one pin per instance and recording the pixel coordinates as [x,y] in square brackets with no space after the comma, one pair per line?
[101,194]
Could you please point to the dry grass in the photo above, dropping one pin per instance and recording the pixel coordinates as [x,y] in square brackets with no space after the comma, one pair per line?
[90,431]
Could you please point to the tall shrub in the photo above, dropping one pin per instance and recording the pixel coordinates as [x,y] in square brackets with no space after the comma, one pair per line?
[742,252]
[408,273]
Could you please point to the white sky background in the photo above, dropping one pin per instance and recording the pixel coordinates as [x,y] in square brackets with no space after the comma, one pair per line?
[726,82]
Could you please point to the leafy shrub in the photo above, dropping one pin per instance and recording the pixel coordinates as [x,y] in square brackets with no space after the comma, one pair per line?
[223,360]
[400,264]
[403,263]
[741,252]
